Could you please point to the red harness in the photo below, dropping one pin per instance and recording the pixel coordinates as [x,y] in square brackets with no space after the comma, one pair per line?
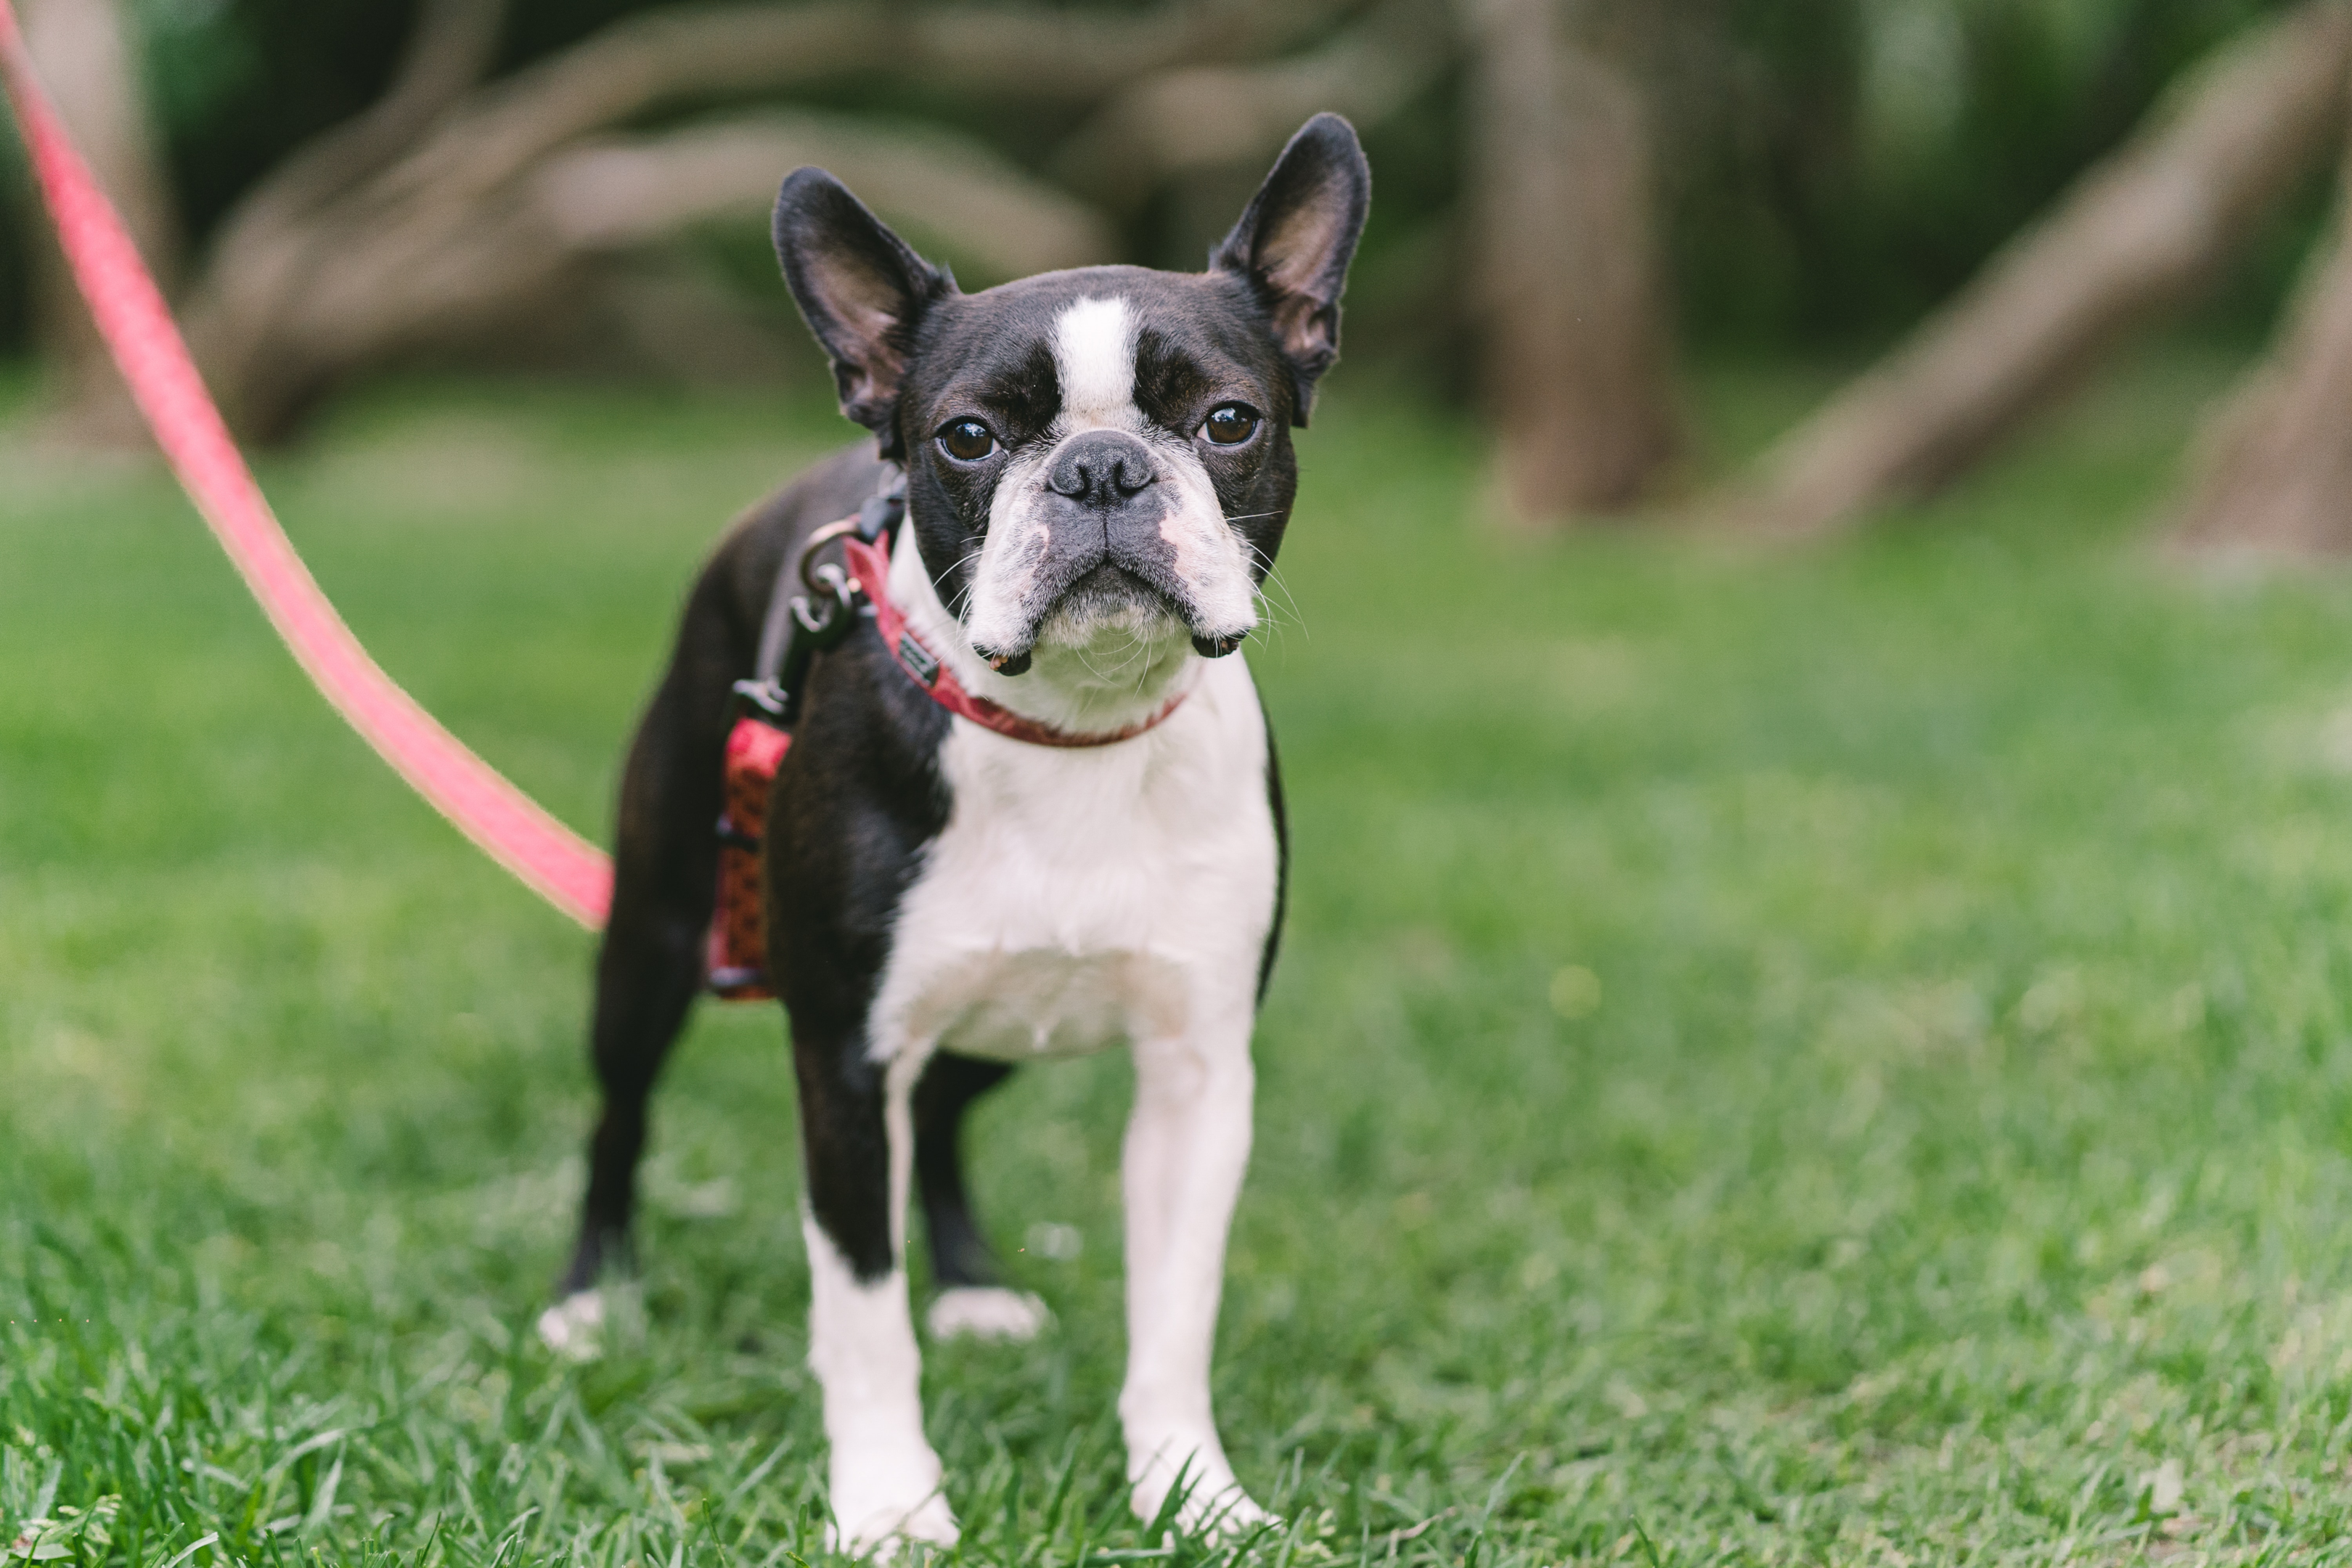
[756,745]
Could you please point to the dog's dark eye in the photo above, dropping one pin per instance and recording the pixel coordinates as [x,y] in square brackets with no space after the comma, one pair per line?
[1230,424]
[967,440]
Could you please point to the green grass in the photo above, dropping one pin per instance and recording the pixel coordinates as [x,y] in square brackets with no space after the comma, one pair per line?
[1844,1057]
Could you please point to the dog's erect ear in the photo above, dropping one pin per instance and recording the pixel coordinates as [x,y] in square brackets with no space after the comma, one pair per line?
[861,290]
[1295,240]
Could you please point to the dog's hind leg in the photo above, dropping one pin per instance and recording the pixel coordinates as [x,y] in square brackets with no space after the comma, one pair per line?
[972,1296]
[648,972]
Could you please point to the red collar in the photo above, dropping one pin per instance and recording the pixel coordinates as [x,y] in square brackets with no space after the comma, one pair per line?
[870,563]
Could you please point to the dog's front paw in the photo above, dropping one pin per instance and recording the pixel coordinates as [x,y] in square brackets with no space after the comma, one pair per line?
[574,1327]
[1212,1512]
[986,1312]
[1210,1503]
[1224,1516]
[886,1500]
[883,1532]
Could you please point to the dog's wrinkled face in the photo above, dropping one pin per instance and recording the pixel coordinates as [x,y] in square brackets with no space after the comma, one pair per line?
[1094,456]
[1097,455]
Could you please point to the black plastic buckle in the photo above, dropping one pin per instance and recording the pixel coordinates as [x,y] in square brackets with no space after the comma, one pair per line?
[882,510]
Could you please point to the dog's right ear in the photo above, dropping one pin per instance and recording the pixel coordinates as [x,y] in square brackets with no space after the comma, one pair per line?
[861,290]
[1294,243]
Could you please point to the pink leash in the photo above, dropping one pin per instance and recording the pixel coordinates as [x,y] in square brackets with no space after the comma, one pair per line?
[553,861]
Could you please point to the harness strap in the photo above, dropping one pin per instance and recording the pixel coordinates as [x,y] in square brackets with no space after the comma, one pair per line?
[790,636]
[779,623]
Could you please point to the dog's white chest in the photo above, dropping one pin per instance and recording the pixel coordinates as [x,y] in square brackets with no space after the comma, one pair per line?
[1078,898]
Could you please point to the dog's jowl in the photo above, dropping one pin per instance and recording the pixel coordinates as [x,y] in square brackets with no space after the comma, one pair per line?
[1029,806]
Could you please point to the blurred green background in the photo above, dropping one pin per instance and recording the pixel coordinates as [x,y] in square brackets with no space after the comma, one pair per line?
[1834,1055]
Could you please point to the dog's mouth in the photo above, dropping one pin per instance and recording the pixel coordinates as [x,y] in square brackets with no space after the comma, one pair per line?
[1095,606]
[1108,597]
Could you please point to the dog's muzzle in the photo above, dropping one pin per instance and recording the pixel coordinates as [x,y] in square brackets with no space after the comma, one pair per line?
[1102,515]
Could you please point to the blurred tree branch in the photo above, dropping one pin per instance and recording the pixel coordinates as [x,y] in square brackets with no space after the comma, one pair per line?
[447,54]
[632,191]
[1201,117]
[2138,234]
[2273,475]
[348,256]
[646,63]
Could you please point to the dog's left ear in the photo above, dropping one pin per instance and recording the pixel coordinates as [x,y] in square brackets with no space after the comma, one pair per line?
[1294,243]
[861,290]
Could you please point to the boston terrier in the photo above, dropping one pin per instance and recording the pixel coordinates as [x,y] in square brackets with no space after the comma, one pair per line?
[1097,471]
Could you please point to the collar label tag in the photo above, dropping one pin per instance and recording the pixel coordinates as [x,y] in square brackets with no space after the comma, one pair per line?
[917,661]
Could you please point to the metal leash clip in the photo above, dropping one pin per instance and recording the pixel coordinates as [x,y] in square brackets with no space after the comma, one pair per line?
[813,632]
[809,623]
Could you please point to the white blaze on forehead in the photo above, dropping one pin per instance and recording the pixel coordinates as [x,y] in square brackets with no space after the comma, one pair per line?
[1094,354]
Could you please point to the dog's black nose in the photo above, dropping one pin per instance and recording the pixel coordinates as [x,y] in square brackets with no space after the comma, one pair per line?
[1101,468]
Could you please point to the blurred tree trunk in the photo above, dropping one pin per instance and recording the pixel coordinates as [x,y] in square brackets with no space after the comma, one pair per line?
[2274,471]
[2140,233]
[84,53]
[1574,344]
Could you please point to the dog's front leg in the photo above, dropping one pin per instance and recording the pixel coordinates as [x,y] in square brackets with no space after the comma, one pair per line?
[1187,1147]
[858,1135]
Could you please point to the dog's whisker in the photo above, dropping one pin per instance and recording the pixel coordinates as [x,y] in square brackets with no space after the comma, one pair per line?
[1281,612]
[971,585]
[1276,612]
[1098,674]
[1274,576]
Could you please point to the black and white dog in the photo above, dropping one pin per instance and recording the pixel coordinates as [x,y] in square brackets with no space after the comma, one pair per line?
[1099,470]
